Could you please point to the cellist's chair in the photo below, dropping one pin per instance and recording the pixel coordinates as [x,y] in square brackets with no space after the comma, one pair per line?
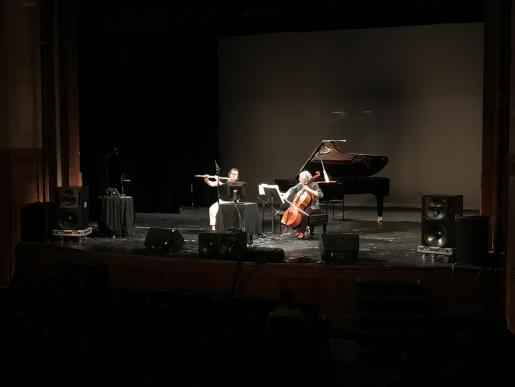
[315,219]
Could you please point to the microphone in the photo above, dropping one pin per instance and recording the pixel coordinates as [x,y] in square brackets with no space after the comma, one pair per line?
[217,168]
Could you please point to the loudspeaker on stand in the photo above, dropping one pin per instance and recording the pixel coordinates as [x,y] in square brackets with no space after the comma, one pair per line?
[438,220]
[72,208]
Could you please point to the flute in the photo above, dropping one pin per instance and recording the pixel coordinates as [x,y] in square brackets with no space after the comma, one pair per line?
[213,177]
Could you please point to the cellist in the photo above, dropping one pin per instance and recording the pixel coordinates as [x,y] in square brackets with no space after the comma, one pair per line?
[308,185]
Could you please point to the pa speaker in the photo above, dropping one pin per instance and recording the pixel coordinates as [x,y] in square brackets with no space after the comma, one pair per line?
[228,246]
[472,240]
[338,247]
[438,219]
[72,208]
[37,221]
[163,240]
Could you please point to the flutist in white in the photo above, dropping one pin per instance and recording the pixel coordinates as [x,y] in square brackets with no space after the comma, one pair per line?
[215,181]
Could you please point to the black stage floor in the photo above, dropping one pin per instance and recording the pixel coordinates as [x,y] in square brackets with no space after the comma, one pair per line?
[392,243]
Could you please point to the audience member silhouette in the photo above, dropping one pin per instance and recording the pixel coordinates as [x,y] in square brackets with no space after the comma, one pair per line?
[286,310]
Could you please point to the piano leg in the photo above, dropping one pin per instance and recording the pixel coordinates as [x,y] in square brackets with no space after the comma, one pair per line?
[379,199]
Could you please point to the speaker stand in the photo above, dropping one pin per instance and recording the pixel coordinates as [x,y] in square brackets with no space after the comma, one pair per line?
[431,252]
[79,234]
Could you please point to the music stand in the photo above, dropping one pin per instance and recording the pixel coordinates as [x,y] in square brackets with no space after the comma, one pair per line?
[237,190]
[232,192]
[272,194]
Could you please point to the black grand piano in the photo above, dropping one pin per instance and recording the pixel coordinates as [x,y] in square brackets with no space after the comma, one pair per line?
[344,173]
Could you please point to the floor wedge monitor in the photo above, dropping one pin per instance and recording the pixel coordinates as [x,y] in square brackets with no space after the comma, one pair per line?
[226,246]
[163,240]
[335,248]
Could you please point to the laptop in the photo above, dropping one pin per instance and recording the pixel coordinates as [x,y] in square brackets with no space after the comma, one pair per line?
[111,191]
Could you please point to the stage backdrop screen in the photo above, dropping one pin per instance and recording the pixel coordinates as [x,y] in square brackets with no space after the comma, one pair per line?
[412,93]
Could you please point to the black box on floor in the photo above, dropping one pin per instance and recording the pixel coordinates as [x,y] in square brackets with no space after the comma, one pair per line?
[229,246]
[336,248]
[37,221]
[164,240]
[264,254]
[472,240]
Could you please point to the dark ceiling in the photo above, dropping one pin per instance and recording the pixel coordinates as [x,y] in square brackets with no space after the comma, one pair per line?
[244,17]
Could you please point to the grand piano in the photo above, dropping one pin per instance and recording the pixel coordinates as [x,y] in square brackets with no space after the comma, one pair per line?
[344,173]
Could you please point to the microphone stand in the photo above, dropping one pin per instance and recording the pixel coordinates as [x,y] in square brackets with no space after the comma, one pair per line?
[269,194]
[237,267]
[106,158]
[123,180]
[265,204]
[217,170]
[240,219]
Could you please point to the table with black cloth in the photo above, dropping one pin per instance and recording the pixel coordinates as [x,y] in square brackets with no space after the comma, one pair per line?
[117,215]
[228,218]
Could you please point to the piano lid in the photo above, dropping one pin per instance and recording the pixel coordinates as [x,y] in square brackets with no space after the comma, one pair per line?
[338,163]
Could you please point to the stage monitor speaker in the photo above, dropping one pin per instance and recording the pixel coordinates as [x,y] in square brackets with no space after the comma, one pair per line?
[438,227]
[72,208]
[472,240]
[336,248]
[37,221]
[227,246]
[163,240]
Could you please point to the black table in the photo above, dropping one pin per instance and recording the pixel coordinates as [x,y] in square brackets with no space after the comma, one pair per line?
[228,218]
[117,215]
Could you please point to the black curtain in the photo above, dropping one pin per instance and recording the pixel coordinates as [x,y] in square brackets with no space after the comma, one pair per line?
[148,108]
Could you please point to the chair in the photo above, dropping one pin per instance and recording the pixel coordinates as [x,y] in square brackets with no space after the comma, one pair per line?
[315,219]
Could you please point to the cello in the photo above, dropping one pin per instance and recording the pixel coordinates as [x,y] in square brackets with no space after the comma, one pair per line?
[293,215]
